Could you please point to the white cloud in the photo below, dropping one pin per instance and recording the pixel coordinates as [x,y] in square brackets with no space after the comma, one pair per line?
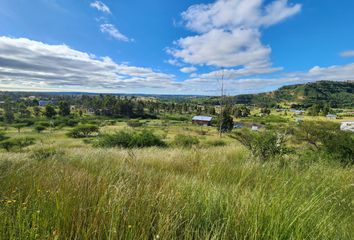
[31,65]
[240,47]
[349,53]
[100,6]
[35,65]
[229,32]
[188,69]
[231,14]
[113,32]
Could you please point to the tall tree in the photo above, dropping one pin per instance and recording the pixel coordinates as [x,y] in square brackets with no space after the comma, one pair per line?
[64,108]
[50,111]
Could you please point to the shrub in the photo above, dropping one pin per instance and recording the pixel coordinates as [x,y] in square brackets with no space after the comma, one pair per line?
[39,128]
[43,123]
[134,123]
[84,131]
[3,136]
[128,139]
[216,143]
[45,153]
[185,141]
[340,146]
[19,126]
[16,143]
[264,144]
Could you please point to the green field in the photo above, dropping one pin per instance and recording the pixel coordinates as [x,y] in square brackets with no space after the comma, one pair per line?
[64,188]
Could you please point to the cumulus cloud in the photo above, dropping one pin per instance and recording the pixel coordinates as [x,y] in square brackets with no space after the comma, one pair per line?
[349,53]
[188,69]
[240,47]
[113,32]
[100,6]
[229,32]
[30,64]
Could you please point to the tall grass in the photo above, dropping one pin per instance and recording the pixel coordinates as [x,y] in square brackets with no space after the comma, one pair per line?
[215,193]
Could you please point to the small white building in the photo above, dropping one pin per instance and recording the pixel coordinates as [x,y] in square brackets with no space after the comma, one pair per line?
[331,116]
[347,126]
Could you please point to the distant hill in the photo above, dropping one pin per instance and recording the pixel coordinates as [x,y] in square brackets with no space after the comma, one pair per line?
[337,94]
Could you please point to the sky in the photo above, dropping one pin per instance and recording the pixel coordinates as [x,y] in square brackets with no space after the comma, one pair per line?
[173,47]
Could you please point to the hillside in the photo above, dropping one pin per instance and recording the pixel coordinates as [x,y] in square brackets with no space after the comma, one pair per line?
[337,94]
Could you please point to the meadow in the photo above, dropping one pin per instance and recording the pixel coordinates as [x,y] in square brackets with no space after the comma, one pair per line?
[65,188]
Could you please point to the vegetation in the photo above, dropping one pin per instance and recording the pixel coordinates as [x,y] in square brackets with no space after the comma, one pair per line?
[135,167]
[185,141]
[130,139]
[84,131]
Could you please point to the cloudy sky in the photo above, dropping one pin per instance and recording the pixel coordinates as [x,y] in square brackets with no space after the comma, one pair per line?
[174,46]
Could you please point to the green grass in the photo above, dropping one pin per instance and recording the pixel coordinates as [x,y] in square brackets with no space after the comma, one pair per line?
[207,193]
[62,188]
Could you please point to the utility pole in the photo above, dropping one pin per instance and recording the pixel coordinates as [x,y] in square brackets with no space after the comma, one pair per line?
[221,81]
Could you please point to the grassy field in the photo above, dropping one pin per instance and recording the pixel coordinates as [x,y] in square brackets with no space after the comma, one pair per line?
[62,188]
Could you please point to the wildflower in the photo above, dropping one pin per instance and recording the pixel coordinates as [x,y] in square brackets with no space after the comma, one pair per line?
[129,226]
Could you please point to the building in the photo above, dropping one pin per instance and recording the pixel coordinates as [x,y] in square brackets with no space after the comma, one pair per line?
[331,116]
[202,120]
[347,126]
[43,103]
[256,126]
[297,112]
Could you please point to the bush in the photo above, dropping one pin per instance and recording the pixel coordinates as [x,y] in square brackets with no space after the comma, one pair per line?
[134,123]
[340,146]
[84,131]
[39,128]
[264,144]
[3,136]
[128,139]
[45,153]
[216,143]
[185,141]
[16,143]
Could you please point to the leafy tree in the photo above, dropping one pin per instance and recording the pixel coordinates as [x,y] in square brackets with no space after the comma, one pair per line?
[19,126]
[314,110]
[64,108]
[50,111]
[84,131]
[225,122]
[9,116]
[36,111]
[39,128]
[14,143]
[265,111]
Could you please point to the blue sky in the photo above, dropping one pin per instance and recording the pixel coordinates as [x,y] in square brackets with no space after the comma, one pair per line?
[173,47]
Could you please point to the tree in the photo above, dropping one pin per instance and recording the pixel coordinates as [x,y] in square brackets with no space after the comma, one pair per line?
[64,108]
[16,143]
[226,122]
[265,111]
[39,128]
[314,110]
[50,111]
[36,111]
[19,126]
[9,116]
[84,131]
